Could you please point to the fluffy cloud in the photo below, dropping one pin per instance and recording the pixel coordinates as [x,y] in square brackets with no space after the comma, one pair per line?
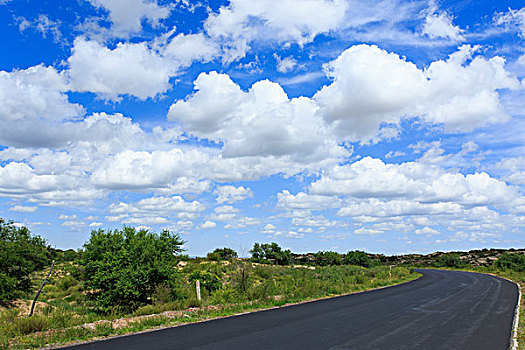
[225,213]
[185,185]
[232,194]
[371,178]
[410,197]
[375,208]
[243,21]
[243,222]
[371,92]
[514,169]
[33,94]
[269,229]
[141,169]
[183,49]
[286,64]
[22,182]
[302,201]
[67,217]
[372,87]
[20,178]
[71,147]
[23,209]
[438,24]
[127,15]
[427,231]
[260,122]
[208,224]
[140,69]
[155,210]
[129,68]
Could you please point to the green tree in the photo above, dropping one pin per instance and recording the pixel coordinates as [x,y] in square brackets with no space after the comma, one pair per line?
[124,267]
[327,258]
[271,253]
[222,254]
[20,255]
[358,258]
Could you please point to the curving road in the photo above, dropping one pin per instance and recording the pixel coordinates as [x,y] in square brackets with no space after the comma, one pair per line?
[440,310]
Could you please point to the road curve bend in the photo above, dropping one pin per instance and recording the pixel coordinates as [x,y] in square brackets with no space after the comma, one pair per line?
[440,310]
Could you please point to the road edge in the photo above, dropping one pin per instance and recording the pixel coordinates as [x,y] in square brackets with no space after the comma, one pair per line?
[513,341]
[514,335]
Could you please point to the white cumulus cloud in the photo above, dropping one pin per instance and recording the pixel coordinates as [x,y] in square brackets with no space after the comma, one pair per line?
[439,24]
[372,86]
[232,194]
[127,15]
[129,68]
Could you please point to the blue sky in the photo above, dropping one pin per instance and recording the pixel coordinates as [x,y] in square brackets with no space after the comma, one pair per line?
[391,126]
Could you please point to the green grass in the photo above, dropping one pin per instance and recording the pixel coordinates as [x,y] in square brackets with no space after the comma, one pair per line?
[67,307]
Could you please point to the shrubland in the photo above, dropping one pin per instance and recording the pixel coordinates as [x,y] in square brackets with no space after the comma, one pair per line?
[129,280]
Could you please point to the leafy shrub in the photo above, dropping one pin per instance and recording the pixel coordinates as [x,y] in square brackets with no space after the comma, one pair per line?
[228,295]
[163,294]
[123,267]
[208,280]
[327,258]
[357,258]
[20,255]
[449,260]
[66,282]
[511,261]
[271,253]
[222,254]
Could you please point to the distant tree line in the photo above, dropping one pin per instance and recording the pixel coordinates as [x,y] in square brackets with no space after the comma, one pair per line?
[272,253]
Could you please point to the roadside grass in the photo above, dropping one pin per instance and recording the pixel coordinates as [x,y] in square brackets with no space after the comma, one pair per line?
[66,314]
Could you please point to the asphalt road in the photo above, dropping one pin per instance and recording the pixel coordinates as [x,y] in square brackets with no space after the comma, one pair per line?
[441,310]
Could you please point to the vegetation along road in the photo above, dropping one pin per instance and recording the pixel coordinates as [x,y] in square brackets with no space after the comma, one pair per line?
[440,310]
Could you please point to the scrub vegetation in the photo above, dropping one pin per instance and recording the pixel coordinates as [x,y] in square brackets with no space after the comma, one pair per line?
[130,280]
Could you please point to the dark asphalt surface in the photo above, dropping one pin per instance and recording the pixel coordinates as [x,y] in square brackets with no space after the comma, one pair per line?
[441,310]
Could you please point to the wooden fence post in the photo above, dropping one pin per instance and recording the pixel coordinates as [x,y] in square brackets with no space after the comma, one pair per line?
[198,287]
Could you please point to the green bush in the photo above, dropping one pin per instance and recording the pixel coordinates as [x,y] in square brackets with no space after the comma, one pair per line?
[512,261]
[271,253]
[207,280]
[327,258]
[124,267]
[163,294]
[65,283]
[449,260]
[222,254]
[20,255]
[357,258]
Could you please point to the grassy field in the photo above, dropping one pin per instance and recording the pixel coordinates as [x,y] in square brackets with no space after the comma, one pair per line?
[65,313]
